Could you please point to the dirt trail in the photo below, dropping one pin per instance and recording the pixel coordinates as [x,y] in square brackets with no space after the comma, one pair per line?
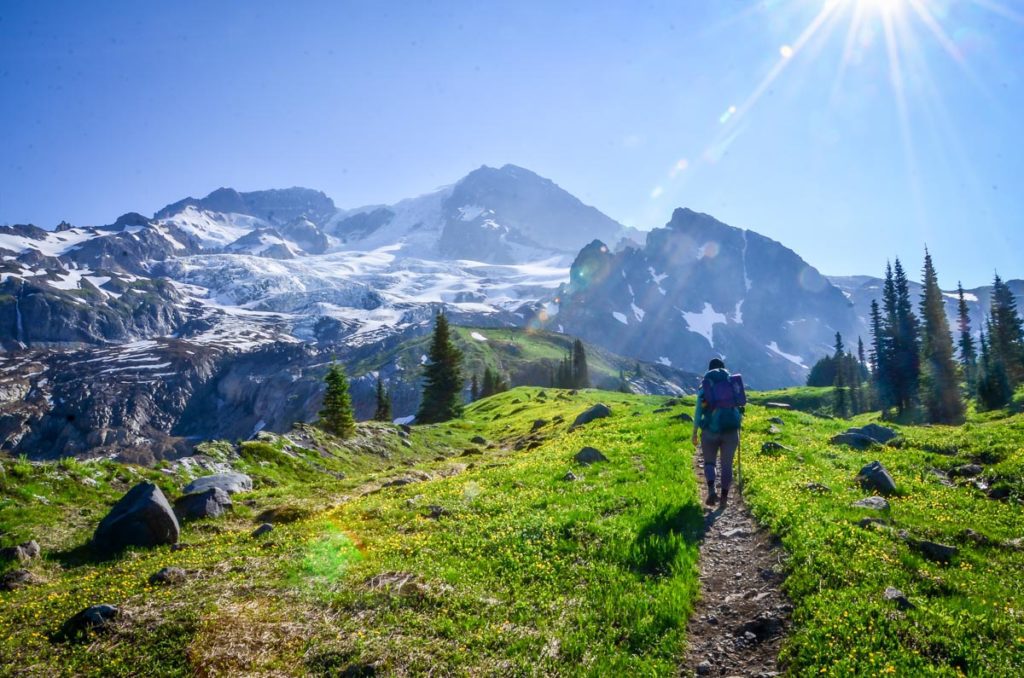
[742,615]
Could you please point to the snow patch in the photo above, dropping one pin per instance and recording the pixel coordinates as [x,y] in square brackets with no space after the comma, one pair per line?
[621,317]
[703,323]
[665,361]
[478,336]
[638,312]
[795,359]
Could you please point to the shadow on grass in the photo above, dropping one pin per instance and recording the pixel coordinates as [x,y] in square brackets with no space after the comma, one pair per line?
[661,543]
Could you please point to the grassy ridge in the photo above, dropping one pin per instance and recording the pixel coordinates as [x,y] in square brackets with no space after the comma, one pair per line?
[967,615]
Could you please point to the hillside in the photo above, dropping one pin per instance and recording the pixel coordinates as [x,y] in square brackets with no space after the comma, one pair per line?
[397,553]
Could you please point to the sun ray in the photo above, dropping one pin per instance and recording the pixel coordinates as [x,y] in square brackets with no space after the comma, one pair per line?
[856,21]
[1000,9]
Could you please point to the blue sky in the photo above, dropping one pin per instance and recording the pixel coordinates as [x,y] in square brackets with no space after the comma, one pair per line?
[111,107]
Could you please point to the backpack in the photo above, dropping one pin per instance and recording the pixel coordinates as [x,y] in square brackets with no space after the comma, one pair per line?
[724,395]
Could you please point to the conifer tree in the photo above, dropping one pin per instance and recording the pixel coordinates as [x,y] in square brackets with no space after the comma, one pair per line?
[442,390]
[839,391]
[968,352]
[940,388]
[336,413]
[383,409]
[623,383]
[993,386]
[1006,334]
[906,343]
[580,372]
[474,389]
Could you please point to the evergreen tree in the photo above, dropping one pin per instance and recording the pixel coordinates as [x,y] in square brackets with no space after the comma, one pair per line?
[1006,335]
[940,388]
[906,341]
[336,413]
[968,352]
[863,374]
[442,391]
[383,409]
[840,394]
[823,372]
[993,385]
[474,389]
[580,372]
[623,383]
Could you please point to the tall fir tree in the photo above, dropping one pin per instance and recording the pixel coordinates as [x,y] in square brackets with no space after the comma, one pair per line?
[839,387]
[993,385]
[906,349]
[474,389]
[940,388]
[382,412]
[580,371]
[1006,335]
[968,349]
[336,413]
[442,390]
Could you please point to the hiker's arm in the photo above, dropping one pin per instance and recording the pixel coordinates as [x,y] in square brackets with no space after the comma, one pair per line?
[696,417]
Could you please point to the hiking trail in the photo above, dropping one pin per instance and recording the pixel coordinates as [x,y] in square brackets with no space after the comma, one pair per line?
[742,616]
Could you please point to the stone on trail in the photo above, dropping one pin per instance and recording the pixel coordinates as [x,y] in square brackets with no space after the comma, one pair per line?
[704,668]
[22,552]
[598,411]
[873,503]
[210,503]
[142,517]
[231,482]
[589,455]
[876,477]
[167,576]
[896,596]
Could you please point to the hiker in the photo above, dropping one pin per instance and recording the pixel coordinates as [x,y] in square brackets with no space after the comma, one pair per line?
[718,418]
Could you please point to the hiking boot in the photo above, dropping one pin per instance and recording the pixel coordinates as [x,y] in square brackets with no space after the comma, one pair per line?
[712,499]
[725,496]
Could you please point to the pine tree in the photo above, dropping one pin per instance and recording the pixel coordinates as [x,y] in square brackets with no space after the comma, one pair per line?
[474,389]
[580,372]
[336,413]
[383,409]
[906,350]
[863,393]
[993,385]
[940,388]
[442,391]
[1006,336]
[968,352]
[623,383]
[839,391]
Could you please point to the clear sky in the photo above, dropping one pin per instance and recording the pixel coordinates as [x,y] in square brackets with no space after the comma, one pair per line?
[889,125]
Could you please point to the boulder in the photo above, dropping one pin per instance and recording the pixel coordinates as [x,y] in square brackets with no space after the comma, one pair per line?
[16,579]
[570,477]
[207,504]
[478,440]
[231,482]
[589,455]
[598,411]
[685,417]
[894,595]
[876,477]
[936,552]
[22,552]
[855,440]
[262,530]
[95,618]
[771,447]
[168,576]
[538,424]
[405,428]
[873,503]
[778,421]
[817,488]
[866,436]
[966,471]
[142,517]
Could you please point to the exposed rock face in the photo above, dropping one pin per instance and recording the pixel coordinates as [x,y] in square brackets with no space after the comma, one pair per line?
[205,504]
[700,288]
[142,517]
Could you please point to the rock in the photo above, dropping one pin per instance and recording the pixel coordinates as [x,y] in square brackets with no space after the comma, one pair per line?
[774,430]
[763,626]
[865,436]
[817,487]
[1016,544]
[570,476]
[168,576]
[406,443]
[896,596]
[478,440]
[283,514]
[976,538]
[876,477]
[538,424]
[435,512]
[207,504]
[262,530]
[405,428]
[16,579]
[941,477]
[999,493]
[589,455]
[471,451]
[704,668]
[778,421]
[685,417]
[771,447]
[22,552]
[966,471]
[865,523]
[142,517]
[231,482]
[598,411]
[856,440]
[662,410]
[882,434]
[95,618]
[936,552]
[873,503]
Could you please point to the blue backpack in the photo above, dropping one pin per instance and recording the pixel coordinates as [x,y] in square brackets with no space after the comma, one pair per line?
[723,397]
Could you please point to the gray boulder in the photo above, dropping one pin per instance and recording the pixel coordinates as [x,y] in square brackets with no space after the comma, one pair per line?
[207,504]
[142,517]
[95,618]
[873,503]
[16,579]
[883,434]
[598,411]
[22,552]
[262,530]
[876,477]
[589,455]
[967,471]
[168,576]
[894,595]
[936,552]
[865,437]
[771,447]
[539,424]
[855,440]
[231,482]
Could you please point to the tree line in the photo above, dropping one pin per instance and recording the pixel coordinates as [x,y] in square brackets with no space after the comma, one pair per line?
[915,367]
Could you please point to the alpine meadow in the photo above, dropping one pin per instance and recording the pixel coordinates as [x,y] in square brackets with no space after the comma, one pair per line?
[351,387]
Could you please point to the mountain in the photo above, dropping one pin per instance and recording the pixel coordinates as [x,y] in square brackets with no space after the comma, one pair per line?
[699,288]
